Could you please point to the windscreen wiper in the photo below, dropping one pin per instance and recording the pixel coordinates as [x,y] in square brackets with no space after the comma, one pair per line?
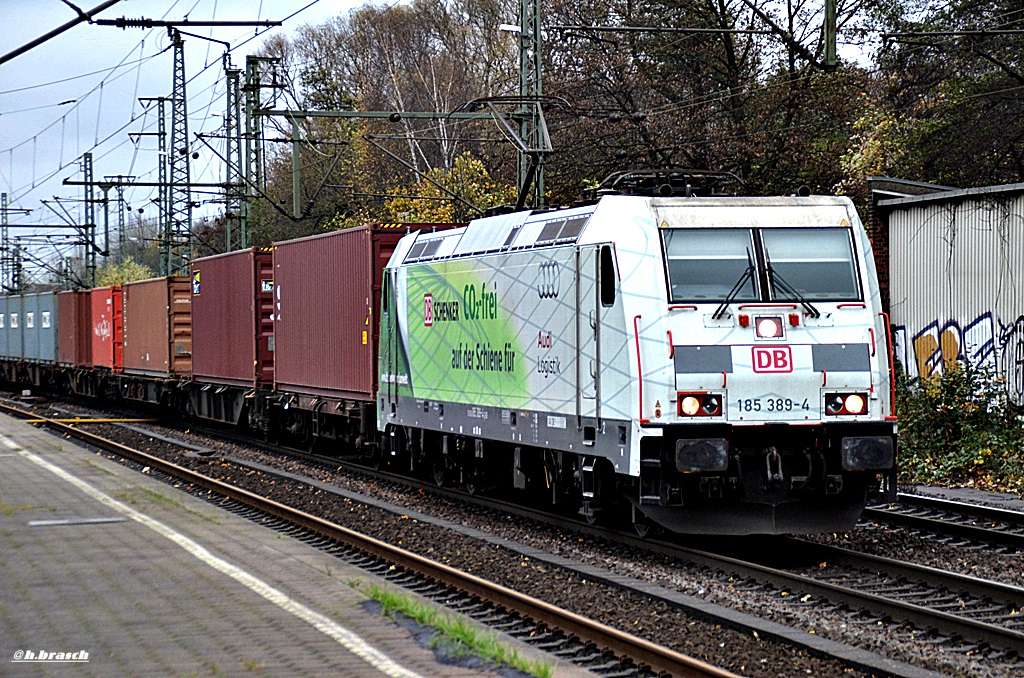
[775,277]
[746,275]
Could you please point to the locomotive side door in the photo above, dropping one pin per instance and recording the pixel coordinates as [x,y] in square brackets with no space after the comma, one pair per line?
[588,328]
[387,370]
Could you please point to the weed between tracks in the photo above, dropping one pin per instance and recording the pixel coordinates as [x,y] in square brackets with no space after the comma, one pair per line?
[464,638]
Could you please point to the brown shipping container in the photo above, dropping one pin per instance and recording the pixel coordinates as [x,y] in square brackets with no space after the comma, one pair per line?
[74,329]
[326,302]
[158,327]
[232,318]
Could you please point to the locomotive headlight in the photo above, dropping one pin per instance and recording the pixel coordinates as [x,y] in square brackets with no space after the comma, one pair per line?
[768,327]
[846,403]
[700,404]
[855,404]
[689,405]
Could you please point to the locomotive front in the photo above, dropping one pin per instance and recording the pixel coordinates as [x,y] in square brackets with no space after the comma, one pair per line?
[773,411]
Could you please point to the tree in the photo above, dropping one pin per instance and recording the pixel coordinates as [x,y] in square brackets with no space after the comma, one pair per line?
[960,95]
[118,273]
[430,55]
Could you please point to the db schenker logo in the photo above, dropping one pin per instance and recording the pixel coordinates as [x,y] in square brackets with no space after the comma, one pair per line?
[428,309]
[772,359]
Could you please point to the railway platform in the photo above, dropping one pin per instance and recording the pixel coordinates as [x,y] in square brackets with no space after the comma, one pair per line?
[106,571]
[1003,500]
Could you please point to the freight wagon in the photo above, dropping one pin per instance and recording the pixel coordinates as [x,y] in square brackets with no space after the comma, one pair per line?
[288,335]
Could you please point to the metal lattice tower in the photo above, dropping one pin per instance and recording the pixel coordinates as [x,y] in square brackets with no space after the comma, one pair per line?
[253,160]
[5,241]
[253,166]
[89,222]
[164,192]
[17,281]
[120,224]
[531,126]
[236,208]
[177,241]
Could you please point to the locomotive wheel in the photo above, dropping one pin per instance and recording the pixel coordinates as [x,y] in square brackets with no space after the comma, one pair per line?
[440,470]
[382,456]
[474,477]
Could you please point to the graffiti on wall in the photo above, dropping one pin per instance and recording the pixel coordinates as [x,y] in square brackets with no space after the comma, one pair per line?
[983,341]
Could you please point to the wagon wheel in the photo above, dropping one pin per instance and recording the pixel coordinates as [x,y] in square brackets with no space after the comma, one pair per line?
[377,458]
[592,513]
[642,525]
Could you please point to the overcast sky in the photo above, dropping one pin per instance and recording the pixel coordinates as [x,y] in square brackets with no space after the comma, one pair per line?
[79,92]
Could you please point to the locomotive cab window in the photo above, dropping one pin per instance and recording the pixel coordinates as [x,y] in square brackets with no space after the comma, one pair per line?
[817,263]
[704,264]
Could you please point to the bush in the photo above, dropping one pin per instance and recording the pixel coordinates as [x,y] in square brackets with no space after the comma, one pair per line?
[960,428]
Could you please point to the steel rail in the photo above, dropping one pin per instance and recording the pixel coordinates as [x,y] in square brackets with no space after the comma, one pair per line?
[643,652]
[925,574]
[921,615]
[965,529]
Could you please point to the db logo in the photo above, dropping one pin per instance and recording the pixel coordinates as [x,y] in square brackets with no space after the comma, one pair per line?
[773,359]
[428,309]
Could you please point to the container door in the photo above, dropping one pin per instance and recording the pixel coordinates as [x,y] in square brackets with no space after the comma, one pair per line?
[264,307]
[587,331]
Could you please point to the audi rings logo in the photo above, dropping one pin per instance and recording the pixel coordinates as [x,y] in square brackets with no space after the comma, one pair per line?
[549,282]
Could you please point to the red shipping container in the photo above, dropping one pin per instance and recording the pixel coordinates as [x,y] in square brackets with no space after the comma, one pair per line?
[158,326]
[74,329]
[107,327]
[232,318]
[327,298]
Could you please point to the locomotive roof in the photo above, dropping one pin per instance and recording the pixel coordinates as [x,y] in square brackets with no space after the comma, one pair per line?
[528,230]
[514,231]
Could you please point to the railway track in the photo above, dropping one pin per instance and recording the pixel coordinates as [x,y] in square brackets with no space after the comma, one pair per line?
[982,524]
[972,615]
[590,644]
[983,613]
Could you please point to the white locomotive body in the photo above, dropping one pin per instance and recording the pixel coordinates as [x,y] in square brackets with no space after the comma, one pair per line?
[711,365]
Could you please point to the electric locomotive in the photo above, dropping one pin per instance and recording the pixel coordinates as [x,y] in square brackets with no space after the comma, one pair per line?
[704,364]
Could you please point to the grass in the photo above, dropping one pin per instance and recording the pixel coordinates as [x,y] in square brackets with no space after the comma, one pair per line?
[465,637]
[9,510]
[99,468]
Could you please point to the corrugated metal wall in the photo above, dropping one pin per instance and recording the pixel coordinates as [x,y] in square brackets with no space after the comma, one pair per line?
[957,284]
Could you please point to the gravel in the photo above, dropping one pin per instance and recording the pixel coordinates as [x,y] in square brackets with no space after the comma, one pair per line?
[637,614]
